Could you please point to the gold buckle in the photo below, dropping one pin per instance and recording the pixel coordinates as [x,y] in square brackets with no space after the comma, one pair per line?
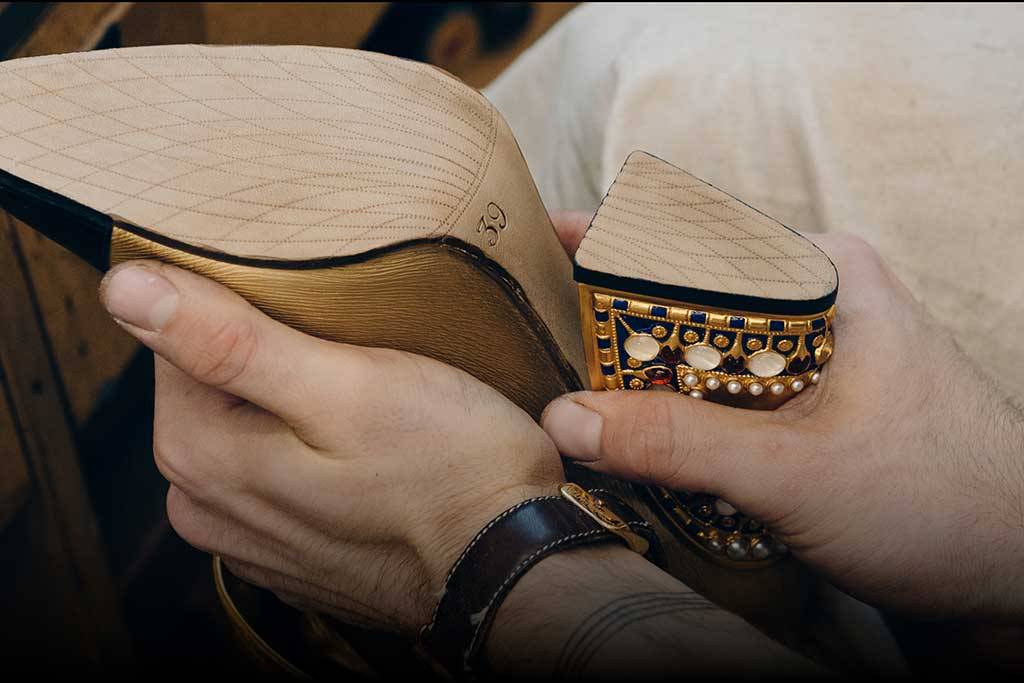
[596,509]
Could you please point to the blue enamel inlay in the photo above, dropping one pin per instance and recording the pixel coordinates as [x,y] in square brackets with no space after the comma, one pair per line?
[683,329]
[620,304]
[809,342]
[792,344]
[818,324]
[604,343]
[659,311]
[637,324]
[601,316]
[699,318]
[777,325]
[608,369]
[738,323]
[731,336]
[760,337]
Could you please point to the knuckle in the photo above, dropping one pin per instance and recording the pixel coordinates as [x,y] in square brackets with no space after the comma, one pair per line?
[184,519]
[180,462]
[226,353]
[645,438]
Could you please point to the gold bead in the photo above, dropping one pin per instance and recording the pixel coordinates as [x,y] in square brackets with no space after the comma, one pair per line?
[633,362]
[754,344]
[690,336]
[721,341]
[636,383]
[659,331]
[785,345]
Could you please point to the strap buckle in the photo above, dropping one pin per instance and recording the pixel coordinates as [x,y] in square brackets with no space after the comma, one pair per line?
[596,509]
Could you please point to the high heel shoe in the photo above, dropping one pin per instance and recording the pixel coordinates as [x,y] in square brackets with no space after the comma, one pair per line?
[375,201]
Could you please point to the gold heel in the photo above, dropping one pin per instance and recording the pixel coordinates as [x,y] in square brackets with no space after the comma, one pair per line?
[756,340]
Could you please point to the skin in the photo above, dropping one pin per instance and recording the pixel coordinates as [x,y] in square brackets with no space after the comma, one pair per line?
[348,479]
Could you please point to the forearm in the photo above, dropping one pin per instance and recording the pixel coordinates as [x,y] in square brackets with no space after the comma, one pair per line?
[607,612]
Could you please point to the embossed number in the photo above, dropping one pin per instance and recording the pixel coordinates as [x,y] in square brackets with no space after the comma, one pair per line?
[492,223]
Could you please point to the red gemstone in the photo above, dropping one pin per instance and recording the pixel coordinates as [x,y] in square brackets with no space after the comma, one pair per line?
[671,356]
[659,375]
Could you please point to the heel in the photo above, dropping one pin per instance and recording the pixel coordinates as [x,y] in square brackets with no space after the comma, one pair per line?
[740,313]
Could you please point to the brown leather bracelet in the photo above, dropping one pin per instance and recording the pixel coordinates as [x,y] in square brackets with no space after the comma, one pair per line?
[504,550]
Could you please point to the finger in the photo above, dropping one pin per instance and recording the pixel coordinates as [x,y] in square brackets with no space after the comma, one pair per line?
[215,337]
[213,445]
[570,227]
[241,534]
[676,442]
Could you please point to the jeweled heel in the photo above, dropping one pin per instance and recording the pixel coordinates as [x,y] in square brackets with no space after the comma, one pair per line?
[741,314]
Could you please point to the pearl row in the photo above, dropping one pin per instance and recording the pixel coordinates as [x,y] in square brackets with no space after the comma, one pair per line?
[733,386]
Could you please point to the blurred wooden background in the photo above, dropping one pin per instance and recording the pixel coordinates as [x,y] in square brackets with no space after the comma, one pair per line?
[90,573]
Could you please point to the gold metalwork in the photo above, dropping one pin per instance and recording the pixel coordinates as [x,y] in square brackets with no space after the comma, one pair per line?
[715,330]
[659,331]
[596,509]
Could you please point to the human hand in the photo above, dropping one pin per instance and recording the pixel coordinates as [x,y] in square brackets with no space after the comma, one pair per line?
[900,476]
[344,479]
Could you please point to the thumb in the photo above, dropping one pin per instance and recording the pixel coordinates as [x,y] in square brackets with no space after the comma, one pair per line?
[215,337]
[674,441]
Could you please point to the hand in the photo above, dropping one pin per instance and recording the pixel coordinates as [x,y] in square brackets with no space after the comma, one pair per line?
[344,479]
[900,476]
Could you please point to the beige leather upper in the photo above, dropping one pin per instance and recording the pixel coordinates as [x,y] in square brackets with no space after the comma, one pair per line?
[661,224]
[279,152]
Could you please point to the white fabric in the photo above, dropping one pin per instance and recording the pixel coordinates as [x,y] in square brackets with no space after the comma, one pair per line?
[901,123]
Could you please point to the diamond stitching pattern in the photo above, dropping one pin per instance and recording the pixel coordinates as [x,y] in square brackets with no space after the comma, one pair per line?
[662,224]
[283,152]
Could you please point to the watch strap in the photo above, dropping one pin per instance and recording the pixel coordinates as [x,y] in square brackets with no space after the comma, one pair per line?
[504,550]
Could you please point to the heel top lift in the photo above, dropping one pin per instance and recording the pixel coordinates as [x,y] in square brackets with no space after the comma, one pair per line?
[663,233]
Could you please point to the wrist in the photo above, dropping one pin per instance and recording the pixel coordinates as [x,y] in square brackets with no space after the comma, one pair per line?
[506,549]
[458,522]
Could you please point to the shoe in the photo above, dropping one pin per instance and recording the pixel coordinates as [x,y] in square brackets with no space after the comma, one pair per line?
[376,201]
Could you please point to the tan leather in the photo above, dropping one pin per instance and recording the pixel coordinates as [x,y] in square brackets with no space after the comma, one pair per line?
[426,298]
[286,153]
[661,224]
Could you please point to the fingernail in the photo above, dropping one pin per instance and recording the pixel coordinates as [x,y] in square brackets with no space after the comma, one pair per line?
[576,430]
[140,297]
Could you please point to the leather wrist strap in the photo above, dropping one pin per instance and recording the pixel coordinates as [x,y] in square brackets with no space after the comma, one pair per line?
[504,550]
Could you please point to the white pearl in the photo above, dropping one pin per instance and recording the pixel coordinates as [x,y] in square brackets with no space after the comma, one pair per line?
[696,394]
[797,385]
[761,551]
[734,387]
[756,389]
[712,383]
[815,378]
[690,379]
[777,388]
[723,508]
[737,550]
